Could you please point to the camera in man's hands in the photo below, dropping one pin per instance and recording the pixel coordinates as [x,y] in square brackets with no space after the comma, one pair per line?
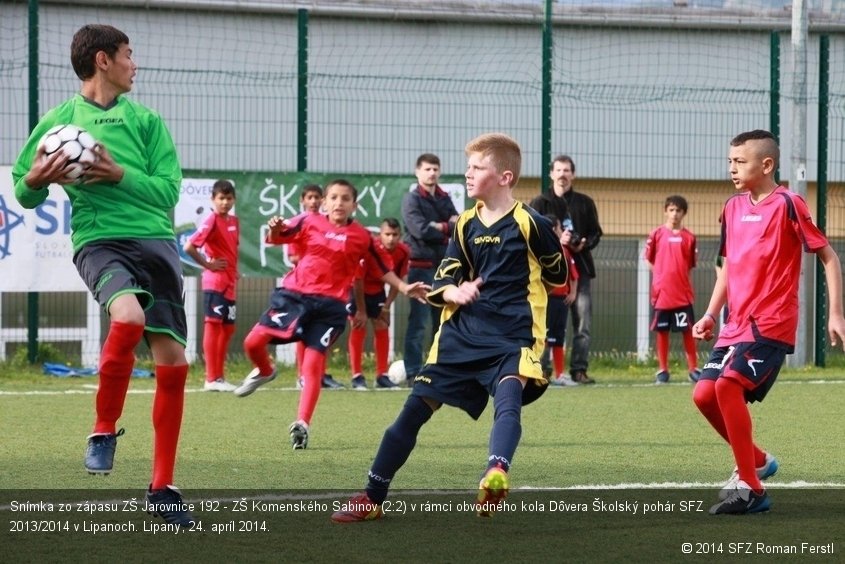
[574,237]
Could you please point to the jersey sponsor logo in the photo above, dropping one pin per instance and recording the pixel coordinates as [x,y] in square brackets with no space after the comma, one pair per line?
[109,121]
[336,236]
[487,239]
[752,218]
[675,239]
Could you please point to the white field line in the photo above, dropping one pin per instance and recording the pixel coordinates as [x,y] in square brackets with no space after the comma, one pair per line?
[92,388]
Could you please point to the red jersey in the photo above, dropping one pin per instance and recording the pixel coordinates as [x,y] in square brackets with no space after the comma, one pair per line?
[331,255]
[573,275]
[371,272]
[762,247]
[218,236]
[673,254]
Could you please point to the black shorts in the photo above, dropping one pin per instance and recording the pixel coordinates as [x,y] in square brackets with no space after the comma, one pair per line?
[148,268]
[557,314]
[373,303]
[218,309]
[317,321]
[469,385]
[754,365]
[677,320]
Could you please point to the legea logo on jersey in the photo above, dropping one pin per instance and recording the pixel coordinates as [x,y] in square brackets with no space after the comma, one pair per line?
[753,218]
[9,220]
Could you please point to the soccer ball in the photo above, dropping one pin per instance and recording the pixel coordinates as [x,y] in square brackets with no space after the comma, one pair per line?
[74,142]
[396,372]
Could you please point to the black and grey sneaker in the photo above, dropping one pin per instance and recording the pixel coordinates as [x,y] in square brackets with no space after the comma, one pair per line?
[359,382]
[383,382]
[661,377]
[99,456]
[329,383]
[741,501]
[298,435]
[694,375]
[167,504]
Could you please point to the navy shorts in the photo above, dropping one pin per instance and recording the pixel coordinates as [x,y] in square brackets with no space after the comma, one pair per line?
[218,309]
[754,365]
[373,302]
[148,268]
[677,320]
[317,321]
[469,385]
[557,314]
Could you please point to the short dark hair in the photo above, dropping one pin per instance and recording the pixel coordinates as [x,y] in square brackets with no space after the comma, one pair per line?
[770,145]
[392,222]
[428,158]
[678,201]
[88,41]
[343,182]
[563,159]
[223,187]
[308,188]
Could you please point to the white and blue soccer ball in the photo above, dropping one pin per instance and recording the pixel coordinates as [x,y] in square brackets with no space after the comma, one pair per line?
[396,372]
[76,143]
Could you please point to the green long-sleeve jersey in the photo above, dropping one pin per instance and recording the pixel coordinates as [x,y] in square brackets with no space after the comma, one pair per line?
[137,207]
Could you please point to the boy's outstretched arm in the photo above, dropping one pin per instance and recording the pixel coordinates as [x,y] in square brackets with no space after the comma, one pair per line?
[833,277]
[417,290]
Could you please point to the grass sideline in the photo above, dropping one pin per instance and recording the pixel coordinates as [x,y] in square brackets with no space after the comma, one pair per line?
[621,432]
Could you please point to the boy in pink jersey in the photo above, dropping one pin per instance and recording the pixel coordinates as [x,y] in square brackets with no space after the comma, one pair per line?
[369,301]
[218,236]
[765,227]
[310,305]
[671,253]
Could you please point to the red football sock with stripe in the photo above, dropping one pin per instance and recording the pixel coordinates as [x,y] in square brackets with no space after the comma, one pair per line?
[355,346]
[692,352]
[731,397]
[663,350]
[300,352]
[313,367]
[116,361]
[168,404]
[381,342]
[255,347]
[210,339]
[225,336]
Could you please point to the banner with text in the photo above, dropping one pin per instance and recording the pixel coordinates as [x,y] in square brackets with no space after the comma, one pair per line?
[262,195]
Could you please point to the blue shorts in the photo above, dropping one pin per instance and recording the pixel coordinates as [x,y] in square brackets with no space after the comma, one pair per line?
[148,268]
[557,314]
[373,303]
[468,386]
[754,365]
[218,309]
[678,320]
[317,321]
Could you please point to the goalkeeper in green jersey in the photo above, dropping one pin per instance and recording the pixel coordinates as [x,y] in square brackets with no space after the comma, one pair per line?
[124,246]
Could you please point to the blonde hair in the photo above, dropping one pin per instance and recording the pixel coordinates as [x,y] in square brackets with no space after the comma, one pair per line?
[503,150]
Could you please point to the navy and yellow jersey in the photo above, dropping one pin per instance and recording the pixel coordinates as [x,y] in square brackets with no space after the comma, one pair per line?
[516,257]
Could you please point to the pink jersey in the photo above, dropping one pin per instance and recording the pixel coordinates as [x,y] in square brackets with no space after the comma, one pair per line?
[371,271]
[218,237]
[331,255]
[673,254]
[762,246]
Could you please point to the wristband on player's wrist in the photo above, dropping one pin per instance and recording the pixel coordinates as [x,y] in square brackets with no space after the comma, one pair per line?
[710,315]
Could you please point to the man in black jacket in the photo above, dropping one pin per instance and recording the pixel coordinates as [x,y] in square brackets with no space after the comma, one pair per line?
[429,217]
[578,214]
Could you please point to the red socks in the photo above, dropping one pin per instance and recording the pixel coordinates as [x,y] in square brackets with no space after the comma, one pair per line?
[116,361]
[381,342]
[558,360]
[168,404]
[255,347]
[210,338]
[355,346]
[313,367]
[662,347]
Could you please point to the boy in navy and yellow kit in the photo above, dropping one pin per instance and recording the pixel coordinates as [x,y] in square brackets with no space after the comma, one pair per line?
[492,287]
